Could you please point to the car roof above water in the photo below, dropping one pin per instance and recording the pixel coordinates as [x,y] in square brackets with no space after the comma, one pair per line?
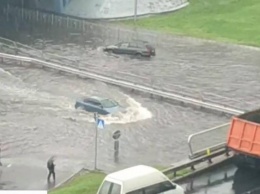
[97,98]
[94,98]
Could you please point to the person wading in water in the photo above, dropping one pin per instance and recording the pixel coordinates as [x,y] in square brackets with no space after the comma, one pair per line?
[51,168]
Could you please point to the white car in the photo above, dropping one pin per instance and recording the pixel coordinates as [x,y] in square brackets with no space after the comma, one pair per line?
[139,179]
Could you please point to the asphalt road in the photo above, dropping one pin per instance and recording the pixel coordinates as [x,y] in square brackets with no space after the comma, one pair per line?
[30,173]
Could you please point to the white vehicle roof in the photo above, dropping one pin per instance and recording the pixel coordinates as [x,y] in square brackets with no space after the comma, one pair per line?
[137,177]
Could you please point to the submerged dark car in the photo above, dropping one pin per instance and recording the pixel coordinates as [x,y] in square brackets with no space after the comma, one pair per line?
[137,48]
[103,106]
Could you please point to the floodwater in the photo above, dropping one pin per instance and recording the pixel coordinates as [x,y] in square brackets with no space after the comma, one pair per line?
[214,72]
[38,118]
[38,115]
[238,181]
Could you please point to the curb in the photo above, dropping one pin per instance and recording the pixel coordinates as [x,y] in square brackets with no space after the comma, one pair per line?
[145,15]
[220,43]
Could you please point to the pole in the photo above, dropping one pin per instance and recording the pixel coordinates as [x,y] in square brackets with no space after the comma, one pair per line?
[116,150]
[135,13]
[0,156]
[96,138]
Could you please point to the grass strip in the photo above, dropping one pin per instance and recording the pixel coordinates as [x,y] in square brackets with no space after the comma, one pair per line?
[234,21]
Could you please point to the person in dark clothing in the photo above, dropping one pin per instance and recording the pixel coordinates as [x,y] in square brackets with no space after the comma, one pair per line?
[51,168]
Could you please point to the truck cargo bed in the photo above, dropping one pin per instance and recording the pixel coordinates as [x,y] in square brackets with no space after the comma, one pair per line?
[244,133]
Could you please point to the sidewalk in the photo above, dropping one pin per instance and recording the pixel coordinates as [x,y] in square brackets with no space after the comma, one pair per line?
[20,174]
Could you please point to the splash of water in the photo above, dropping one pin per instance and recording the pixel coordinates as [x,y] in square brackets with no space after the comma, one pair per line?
[20,92]
[134,112]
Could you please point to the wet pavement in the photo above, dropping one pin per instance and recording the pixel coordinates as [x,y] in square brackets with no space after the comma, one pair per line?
[25,173]
[237,181]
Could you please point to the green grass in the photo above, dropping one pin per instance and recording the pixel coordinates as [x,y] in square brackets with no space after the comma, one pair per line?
[84,184]
[225,20]
[159,167]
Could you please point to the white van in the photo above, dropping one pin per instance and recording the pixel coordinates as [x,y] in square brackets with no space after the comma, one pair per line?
[138,180]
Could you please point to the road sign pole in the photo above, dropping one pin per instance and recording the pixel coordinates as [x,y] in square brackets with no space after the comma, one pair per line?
[116,150]
[116,136]
[135,14]
[96,139]
[0,156]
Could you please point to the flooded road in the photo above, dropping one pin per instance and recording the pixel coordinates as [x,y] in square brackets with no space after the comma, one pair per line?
[38,117]
[222,74]
[239,181]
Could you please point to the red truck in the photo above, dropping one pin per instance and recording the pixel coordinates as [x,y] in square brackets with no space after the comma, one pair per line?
[244,139]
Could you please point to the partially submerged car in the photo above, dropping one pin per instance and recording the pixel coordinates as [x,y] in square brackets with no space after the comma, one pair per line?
[138,48]
[102,106]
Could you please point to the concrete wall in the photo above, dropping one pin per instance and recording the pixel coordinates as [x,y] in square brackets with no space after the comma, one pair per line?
[107,9]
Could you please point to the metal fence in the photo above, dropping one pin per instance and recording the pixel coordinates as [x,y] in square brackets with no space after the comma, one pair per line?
[207,141]
[109,32]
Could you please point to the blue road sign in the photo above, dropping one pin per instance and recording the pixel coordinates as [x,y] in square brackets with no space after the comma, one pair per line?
[100,124]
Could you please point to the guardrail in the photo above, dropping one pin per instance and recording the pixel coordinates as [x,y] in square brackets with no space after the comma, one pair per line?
[33,52]
[220,137]
[190,185]
[29,51]
[190,165]
[129,85]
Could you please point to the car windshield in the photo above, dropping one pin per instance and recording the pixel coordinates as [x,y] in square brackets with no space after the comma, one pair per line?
[108,103]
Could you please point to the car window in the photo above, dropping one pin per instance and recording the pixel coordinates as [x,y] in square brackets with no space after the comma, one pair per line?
[86,100]
[141,44]
[124,45]
[95,103]
[116,189]
[155,189]
[133,44]
[91,101]
[108,103]
[119,44]
[159,188]
[105,188]
[140,191]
